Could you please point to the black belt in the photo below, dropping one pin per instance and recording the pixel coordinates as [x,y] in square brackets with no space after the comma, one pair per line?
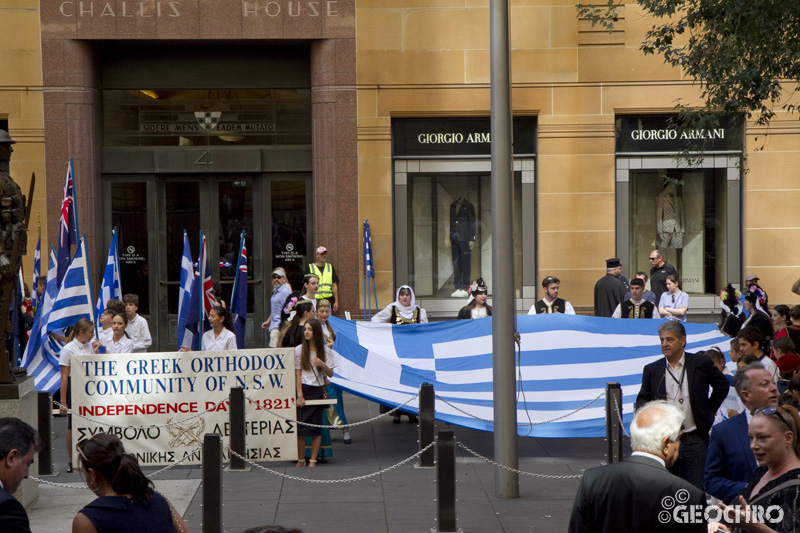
[692,433]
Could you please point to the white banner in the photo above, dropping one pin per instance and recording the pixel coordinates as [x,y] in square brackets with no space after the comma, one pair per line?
[162,404]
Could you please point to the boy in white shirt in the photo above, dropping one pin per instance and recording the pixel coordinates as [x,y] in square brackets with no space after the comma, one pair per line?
[138,329]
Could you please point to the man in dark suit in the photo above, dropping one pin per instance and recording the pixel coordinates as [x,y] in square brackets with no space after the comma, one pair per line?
[683,379]
[639,494]
[17,445]
[731,463]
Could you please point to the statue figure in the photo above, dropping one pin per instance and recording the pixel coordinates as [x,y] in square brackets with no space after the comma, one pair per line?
[13,241]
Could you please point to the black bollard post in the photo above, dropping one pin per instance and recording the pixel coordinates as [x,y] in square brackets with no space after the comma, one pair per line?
[446,482]
[427,422]
[237,423]
[212,483]
[45,409]
[613,423]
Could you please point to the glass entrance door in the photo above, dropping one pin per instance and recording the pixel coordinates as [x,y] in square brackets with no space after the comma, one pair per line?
[152,212]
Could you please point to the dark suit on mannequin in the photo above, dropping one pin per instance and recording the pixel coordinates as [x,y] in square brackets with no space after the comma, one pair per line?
[628,496]
[730,463]
[462,233]
[13,518]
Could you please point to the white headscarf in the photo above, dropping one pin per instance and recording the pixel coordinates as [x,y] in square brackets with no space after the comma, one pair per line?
[406,312]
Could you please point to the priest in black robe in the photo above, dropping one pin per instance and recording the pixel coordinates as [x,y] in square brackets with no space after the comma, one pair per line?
[609,291]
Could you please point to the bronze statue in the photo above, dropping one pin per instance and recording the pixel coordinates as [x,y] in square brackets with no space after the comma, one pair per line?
[14,218]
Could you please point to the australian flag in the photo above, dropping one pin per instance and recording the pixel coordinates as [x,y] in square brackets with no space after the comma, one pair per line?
[239,296]
[110,289]
[68,224]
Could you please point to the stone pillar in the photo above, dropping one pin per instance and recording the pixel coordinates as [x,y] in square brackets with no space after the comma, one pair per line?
[19,400]
[335,160]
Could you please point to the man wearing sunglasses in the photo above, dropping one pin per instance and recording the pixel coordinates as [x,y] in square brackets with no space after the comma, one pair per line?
[280,291]
[659,271]
[730,463]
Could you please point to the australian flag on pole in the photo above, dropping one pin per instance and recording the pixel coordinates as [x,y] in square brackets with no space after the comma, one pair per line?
[40,360]
[110,288]
[185,293]
[68,224]
[239,296]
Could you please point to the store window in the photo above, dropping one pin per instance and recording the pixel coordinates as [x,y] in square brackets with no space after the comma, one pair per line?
[683,214]
[450,231]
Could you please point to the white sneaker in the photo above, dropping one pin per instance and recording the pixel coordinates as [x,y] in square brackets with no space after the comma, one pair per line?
[456,294]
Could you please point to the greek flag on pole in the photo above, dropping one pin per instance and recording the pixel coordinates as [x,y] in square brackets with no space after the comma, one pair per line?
[185,290]
[566,361]
[68,224]
[74,299]
[40,359]
[37,266]
[239,296]
[369,269]
[110,288]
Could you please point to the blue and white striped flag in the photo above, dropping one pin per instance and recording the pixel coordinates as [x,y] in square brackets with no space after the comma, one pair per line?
[369,269]
[566,361]
[185,290]
[37,268]
[74,299]
[40,359]
[110,289]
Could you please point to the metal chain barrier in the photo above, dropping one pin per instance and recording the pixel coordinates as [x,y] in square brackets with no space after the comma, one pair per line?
[349,425]
[619,415]
[545,476]
[81,487]
[330,481]
[525,423]
[98,422]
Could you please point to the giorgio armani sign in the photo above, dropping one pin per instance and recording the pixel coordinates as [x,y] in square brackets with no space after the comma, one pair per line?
[662,133]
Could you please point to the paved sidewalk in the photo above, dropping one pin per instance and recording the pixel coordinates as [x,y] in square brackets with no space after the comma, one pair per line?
[401,500]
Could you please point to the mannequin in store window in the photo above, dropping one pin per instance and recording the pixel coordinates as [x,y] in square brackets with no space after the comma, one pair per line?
[462,240]
[669,215]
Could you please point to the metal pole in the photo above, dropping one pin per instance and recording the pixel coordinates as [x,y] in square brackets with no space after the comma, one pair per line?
[427,413]
[503,296]
[237,422]
[613,424]
[445,482]
[212,483]
[45,409]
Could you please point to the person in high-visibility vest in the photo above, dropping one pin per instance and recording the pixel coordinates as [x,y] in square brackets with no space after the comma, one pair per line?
[328,280]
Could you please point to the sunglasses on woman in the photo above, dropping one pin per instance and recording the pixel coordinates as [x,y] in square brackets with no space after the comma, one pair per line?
[772,411]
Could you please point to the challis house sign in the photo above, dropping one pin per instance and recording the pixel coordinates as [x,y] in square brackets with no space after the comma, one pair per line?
[89,9]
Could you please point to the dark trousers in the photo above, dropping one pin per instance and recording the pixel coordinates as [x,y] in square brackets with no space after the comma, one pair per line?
[462,263]
[692,459]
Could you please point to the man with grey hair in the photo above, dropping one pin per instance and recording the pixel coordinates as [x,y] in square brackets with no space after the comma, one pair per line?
[730,463]
[18,442]
[629,496]
[683,380]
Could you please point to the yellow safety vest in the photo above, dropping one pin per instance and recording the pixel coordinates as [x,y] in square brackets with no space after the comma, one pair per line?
[325,276]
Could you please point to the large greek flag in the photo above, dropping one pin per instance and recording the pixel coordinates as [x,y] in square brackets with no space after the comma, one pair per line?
[110,288]
[564,364]
[40,358]
[185,290]
[74,299]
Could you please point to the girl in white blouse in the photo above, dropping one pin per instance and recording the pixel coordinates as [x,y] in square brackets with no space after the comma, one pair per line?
[220,337]
[119,342]
[79,343]
[311,374]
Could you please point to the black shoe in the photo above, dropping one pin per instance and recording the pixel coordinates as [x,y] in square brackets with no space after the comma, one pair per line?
[412,419]
[396,419]
[321,460]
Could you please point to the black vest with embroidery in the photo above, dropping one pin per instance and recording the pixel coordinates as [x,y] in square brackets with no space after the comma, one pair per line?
[558,306]
[628,309]
[395,318]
